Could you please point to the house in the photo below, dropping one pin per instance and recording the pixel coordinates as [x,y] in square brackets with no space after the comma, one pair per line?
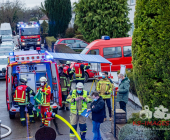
[131,4]
[71,24]
[43,18]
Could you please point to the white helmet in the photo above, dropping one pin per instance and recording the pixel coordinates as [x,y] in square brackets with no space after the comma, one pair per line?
[79,85]
[43,79]
[68,62]
[23,80]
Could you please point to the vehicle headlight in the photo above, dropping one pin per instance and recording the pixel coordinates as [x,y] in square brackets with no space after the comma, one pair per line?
[38,43]
[23,44]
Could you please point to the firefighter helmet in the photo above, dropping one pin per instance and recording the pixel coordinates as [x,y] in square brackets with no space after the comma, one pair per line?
[23,80]
[79,85]
[68,62]
[43,79]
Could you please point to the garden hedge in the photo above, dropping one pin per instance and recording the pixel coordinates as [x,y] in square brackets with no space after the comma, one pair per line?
[49,41]
[151,53]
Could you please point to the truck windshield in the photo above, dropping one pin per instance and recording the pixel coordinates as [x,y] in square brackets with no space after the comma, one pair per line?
[30,31]
[84,51]
[5,32]
[3,61]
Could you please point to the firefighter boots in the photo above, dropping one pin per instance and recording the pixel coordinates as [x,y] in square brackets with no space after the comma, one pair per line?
[67,108]
[62,108]
[42,125]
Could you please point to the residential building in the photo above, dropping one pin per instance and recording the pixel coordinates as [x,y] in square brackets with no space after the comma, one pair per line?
[132,4]
[43,18]
[71,24]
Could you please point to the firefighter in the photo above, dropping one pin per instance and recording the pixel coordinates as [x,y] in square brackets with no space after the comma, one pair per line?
[104,87]
[46,91]
[69,72]
[78,98]
[65,87]
[22,96]
[79,72]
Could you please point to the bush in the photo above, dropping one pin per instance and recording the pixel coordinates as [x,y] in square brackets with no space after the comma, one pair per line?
[151,51]
[132,88]
[130,132]
[80,37]
[50,41]
[69,33]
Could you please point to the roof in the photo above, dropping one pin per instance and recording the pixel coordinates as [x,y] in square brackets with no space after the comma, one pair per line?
[101,42]
[44,18]
[80,57]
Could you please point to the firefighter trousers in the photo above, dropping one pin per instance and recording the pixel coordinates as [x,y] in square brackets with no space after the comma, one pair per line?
[74,120]
[22,114]
[65,104]
[43,110]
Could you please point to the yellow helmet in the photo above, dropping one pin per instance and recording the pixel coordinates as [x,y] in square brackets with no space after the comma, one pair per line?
[68,62]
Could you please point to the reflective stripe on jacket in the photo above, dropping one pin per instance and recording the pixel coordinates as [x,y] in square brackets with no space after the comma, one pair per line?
[20,94]
[103,86]
[77,107]
[46,91]
[64,82]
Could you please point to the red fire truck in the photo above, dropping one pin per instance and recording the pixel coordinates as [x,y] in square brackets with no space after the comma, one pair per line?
[29,35]
[31,65]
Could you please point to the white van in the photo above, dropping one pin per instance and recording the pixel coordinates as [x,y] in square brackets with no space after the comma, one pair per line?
[6,32]
[5,29]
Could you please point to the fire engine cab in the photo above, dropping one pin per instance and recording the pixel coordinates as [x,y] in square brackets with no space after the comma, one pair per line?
[29,35]
[31,65]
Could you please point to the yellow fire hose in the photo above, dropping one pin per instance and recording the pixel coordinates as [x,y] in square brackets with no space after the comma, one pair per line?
[69,125]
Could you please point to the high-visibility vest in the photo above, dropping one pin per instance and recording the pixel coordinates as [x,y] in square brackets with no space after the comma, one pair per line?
[74,105]
[65,69]
[20,94]
[78,71]
[47,90]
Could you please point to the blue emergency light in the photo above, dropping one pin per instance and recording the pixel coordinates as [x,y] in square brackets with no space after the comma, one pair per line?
[105,37]
[36,25]
[11,53]
[42,51]
[49,57]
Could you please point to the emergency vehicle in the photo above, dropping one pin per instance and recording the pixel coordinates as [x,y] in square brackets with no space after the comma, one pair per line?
[29,35]
[31,65]
[116,50]
[36,64]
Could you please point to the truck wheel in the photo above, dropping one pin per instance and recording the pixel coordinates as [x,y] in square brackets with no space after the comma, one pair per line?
[11,116]
[86,76]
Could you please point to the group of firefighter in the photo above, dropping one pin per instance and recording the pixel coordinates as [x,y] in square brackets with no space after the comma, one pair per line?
[78,97]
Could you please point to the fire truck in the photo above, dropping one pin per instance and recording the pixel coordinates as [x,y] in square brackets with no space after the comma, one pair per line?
[29,35]
[36,64]
[31,65]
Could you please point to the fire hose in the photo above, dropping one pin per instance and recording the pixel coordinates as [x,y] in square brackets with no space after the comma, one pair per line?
[8,133]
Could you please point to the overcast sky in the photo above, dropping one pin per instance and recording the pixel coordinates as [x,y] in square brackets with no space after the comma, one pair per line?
[32,3]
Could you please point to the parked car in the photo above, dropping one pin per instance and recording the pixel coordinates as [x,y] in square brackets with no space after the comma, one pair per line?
[66,41]
[3,65]
[7,44]
[77,45]
[6,38]
[5,51]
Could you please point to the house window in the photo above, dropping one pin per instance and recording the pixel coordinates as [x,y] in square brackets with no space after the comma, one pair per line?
[132,2]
